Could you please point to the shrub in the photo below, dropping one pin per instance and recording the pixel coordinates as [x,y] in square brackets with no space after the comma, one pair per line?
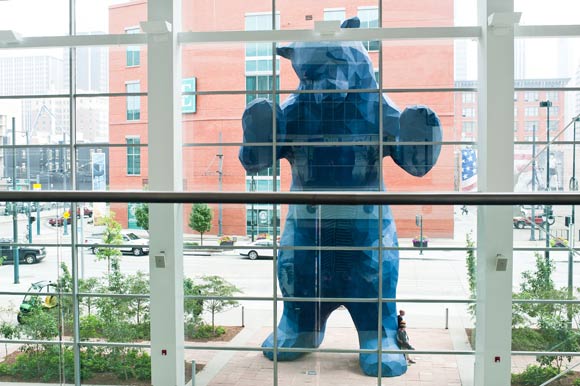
[528,339]
[4,369]
[91,327]
[534,375]
[204,331]
[225,240]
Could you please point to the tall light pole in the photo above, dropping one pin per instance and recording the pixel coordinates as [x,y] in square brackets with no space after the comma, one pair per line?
[548,208]
[533,223]
[572,229]
[253,189]
[15,252]
[220,156]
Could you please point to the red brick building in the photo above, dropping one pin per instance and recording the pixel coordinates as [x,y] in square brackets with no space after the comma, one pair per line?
[211,134]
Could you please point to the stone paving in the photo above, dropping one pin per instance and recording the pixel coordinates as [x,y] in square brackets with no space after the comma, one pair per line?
[248,368]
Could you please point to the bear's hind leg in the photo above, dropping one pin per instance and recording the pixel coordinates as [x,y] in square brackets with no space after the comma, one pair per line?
[302,326]
[365,317]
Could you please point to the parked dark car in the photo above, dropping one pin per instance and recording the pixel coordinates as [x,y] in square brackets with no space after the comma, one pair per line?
[54,221]
[28,255]
[58,221]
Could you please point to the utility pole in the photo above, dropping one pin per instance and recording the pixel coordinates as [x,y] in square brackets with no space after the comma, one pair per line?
[15,252]
[572,222]
[533,223]
[252,189]
[548,208]
[220,156]
[28,218]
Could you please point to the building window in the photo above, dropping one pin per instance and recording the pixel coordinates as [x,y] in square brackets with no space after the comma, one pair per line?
[531,96]
[260,217]
[554,125]
[259,59]
[516,125]
[530,125]
[468,127]
[133,101]
[261,83]
[259,55]
[554,110]
[369,18]
[531,112]
[133,52]
[552,96]
[515,111]
[468,112]
[334,14]
[468,97]
[515,95]
[133,156]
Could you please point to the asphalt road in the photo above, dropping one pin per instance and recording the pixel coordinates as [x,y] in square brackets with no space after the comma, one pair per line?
[433,274]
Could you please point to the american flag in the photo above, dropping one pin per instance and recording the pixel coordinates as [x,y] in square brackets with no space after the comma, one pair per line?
[468,169]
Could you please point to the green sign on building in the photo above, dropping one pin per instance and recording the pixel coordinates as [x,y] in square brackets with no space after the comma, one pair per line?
[188,101]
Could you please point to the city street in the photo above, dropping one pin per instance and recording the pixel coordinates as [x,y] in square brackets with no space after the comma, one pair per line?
[420,276]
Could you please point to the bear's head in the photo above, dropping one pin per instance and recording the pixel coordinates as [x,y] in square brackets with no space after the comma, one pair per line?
[331,65]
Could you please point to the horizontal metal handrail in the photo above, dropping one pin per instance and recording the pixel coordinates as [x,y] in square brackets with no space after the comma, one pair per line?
[307,198]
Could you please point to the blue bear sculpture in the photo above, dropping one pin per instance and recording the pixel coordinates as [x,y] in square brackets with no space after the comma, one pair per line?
[350,120]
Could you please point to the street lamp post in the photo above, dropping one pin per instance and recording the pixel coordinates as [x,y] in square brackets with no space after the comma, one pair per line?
[15,252]
[572,228]
[548,208]
[253,189]
[220,182]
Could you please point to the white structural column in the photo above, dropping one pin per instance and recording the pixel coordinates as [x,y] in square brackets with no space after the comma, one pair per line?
[165,174]
[495,174]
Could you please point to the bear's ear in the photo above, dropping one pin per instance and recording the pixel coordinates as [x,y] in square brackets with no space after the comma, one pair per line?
[353,22]
[285,52]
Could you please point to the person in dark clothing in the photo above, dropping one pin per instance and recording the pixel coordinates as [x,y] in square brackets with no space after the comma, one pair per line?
[400,318]
[403,340]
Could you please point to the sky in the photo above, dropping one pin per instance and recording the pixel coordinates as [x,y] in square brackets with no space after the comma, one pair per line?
[92,16]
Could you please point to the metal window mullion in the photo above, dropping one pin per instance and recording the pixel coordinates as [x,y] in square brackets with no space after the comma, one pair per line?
[274,207]
[72,168]
[380,122]
[422,33]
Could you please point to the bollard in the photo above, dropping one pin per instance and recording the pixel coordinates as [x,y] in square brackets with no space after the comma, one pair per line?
[192,373]
[243,324]
[447,318]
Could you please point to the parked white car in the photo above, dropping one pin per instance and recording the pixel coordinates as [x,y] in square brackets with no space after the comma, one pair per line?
[132,243]
[257,249]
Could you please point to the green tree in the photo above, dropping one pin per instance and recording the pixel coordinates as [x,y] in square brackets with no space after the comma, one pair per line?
[551,319]
[192,307]
[200,219]
[112,236]
[142,216]
[216,286]
[471,272]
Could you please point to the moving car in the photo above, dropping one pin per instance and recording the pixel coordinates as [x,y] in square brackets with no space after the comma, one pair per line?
[257,249]
[28,255]
[521,221]
[137,245]
[132,243]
